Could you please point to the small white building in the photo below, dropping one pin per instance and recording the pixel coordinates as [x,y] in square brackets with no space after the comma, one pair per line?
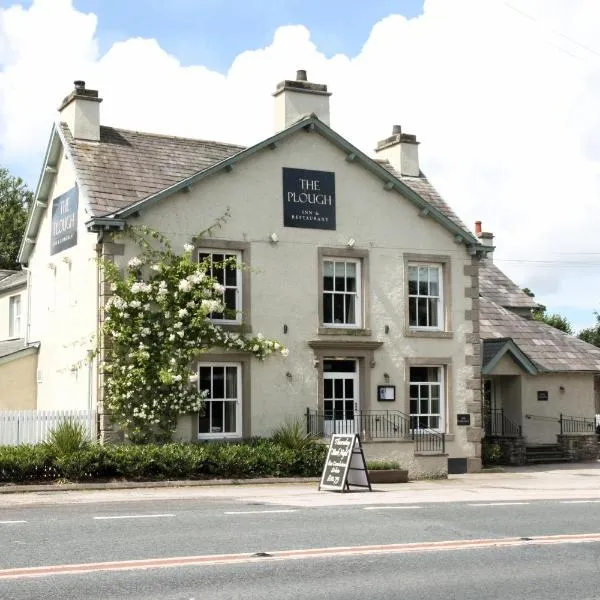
[357,265]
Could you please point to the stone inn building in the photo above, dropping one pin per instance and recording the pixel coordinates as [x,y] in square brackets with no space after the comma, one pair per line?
[354,262]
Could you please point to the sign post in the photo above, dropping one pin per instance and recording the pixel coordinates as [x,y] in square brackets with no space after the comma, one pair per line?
[345,465]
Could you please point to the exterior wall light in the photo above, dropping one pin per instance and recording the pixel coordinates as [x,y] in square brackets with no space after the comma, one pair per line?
[350,243]
[274,238]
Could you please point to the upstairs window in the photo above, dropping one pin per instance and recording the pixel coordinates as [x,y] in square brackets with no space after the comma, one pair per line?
[425,298]
[223,266]
[342,302]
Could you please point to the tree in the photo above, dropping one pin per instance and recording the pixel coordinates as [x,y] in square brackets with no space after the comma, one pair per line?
[15,199]
[591,335]
[554,320]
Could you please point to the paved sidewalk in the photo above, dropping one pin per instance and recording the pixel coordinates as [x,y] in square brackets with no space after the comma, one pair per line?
[569,482]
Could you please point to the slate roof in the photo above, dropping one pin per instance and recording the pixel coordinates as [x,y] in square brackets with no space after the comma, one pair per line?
[490,348]
[422,186]
[499,288]
[128,166]
[12,279]
[549,348]
[8,347]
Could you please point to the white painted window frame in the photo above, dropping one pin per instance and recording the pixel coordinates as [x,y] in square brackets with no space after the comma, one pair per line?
[358,294]
[238,400]
[14,316]
[239,280]
[441,383]
[440,297]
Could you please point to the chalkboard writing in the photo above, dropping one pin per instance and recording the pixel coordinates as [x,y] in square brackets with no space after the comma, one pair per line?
[345,464]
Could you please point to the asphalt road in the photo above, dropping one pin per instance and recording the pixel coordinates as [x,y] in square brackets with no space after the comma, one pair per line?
[51,535]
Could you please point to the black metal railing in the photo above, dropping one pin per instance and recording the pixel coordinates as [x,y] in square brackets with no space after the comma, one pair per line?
[577,424]
[375,424]
[498,424]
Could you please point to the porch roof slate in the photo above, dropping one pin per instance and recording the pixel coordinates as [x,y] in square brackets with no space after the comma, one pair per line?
[550,349]
[8,347]
[12,279]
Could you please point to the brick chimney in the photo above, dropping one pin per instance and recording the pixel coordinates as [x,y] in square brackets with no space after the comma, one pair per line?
[487,239]
[402,151]
[294,98]
[80,110]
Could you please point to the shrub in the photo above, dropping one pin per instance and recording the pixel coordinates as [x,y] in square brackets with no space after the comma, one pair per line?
[491,452]
[209,460]
[383,465]
[67,437]
[292,435]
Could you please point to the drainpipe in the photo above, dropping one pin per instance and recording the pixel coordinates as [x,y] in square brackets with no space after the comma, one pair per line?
[28,322]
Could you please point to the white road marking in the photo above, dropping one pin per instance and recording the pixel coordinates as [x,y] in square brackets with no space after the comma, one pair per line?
[578,501]
[11,522]
[499,503]
[133,517]
[258,512]
[390,507]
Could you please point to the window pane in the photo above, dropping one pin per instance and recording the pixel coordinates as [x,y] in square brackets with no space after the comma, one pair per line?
[328,408]
[434,285]
[414,405]
[349,384]
[412,312]
[230,301]
[351,283]
[216,423]
[338,388]
[204,420]
[433,374]
[338,410]
[350,309]
[422,312]
[231,382]
[327,268]
[231,276]
[229,425]
[204,380]
[423,287]
[338,309]
[433,311]
[434,422]
[328,308]
[349,406]
[418,374]
[424,406]
[435,406]
[351,270]
[414,390]
[328,388]
[218,382]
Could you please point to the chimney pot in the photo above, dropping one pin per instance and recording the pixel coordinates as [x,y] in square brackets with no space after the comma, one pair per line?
[79,85]
[478,228]
[396,130]
[301,75]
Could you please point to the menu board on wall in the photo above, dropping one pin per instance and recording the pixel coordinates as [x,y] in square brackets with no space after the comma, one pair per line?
[63,233]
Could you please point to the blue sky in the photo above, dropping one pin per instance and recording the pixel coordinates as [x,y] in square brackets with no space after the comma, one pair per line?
[500,145]
[213,32]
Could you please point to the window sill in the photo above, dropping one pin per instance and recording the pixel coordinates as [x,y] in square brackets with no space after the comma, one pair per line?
[428,333]
[344,331]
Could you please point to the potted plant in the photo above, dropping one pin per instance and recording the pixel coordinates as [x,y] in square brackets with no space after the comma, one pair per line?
[386,471]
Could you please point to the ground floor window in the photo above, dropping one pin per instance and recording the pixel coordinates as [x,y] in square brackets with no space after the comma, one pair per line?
[427,398]
[222,405]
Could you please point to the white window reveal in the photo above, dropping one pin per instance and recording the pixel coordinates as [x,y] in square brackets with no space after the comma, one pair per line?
[223,266]
[14,316]
[223,402]
[427,398]
[342,306]
[425,298]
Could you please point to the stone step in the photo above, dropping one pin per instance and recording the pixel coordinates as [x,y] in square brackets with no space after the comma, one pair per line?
[538,460]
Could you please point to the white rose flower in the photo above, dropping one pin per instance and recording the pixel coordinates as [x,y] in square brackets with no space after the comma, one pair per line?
[155,267]
[188,247]
[185,285]
[135,304]
[218,288]
[284,352]
[182,312]
[171,337]
[134,262]
[193,378]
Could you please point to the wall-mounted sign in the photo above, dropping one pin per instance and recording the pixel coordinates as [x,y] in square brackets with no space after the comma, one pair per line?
[63,233]
[542,395]
[463,419]
[308,199]
[386,393]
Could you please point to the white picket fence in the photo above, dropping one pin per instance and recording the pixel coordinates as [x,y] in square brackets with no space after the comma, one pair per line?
[34,426]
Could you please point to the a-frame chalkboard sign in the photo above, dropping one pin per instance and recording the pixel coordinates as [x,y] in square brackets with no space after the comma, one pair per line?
[345,465]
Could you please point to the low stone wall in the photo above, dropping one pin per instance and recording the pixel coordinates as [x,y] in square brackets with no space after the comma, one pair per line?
[513,449]
[419,466]
[579,447]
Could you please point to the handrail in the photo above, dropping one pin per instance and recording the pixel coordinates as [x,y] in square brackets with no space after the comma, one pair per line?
[498,424]
[577,424]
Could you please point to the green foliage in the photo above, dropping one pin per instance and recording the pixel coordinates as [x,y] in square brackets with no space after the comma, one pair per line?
[67,438]
[383,465]
[491,453]
[591,335]
[293,435]
[554,320]
[210,460]
[157,322]
[14,201]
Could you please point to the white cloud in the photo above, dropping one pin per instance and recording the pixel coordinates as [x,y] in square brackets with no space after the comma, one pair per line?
[504,97]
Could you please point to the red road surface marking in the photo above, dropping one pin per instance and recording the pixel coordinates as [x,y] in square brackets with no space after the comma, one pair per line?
[212,559]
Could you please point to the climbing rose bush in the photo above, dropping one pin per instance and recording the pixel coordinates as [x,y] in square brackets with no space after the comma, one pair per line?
[156,323]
